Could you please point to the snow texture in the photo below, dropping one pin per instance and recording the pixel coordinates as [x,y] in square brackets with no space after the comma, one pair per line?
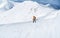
[17,22]
[53,3]
[19,12]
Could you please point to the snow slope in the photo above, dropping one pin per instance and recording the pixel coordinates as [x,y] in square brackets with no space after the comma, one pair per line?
[17,23]
[22,12]
[41,29]
[53,3]
[5,5]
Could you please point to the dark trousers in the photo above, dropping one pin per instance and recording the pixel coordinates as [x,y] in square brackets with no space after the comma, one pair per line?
[34,21]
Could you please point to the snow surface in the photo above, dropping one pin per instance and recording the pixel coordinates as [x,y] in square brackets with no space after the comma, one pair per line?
[17,22]
[22,12]
[5,5]
[53,3]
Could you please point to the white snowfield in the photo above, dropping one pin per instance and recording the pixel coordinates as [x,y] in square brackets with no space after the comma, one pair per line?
[17,22]
[23,12]
[4,2]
